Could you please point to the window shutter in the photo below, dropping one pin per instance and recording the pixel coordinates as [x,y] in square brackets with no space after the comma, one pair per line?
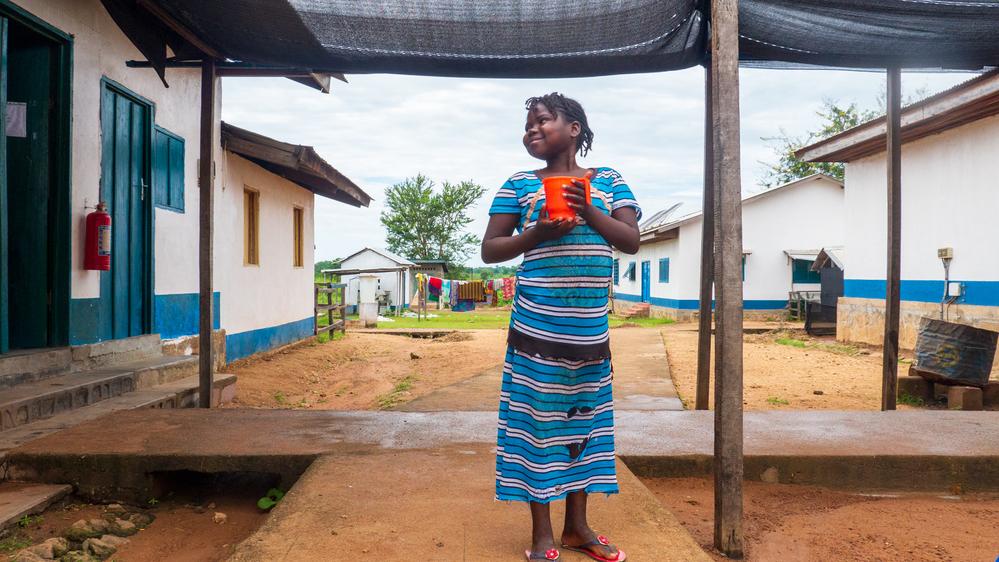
[168,170]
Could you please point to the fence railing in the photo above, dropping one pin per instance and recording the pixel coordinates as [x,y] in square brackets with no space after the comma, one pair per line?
[329,303]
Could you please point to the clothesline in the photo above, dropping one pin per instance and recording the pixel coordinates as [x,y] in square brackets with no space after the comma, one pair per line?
[462,295]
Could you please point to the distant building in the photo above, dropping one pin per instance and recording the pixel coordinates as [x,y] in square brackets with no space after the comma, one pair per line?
[950,158]
[784,228]
[393,272]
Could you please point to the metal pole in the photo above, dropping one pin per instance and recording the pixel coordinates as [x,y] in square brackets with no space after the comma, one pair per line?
[728,462]
[889,368]
[205,186]
[707,254]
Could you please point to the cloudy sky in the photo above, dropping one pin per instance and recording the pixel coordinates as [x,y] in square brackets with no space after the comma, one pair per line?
[380,129]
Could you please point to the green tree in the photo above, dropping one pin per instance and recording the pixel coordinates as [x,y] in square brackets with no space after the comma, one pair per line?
[326,264]
[835,119]
[424,223]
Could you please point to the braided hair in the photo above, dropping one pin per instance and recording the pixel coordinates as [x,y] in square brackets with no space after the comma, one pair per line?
[572,111]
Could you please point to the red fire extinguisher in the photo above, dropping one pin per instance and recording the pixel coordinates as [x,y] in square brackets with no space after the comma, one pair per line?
[98,247]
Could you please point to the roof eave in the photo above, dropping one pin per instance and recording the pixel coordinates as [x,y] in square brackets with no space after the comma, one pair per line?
[973,100]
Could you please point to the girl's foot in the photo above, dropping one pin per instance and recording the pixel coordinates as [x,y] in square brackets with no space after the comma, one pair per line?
[593,545]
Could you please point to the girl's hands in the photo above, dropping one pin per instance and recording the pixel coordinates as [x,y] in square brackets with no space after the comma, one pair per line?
[575,195]
[547,229]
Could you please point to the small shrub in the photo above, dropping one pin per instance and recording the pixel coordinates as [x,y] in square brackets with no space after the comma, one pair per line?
[280,398]
[910,400]
[777,401]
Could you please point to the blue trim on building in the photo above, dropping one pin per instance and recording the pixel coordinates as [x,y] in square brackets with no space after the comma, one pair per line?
[978,293]
[247,343]
[177,315]
[692,304]
[173,316]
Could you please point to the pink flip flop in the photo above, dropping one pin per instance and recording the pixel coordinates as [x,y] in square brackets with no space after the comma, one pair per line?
[601,540]
[550,554]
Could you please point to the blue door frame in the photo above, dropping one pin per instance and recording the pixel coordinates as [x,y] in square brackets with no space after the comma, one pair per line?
[646,281]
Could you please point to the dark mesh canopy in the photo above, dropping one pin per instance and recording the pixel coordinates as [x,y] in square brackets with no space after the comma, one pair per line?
[465,38]
[552,38]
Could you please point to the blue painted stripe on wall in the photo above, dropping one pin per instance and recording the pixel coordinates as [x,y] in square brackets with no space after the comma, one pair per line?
[692,304]
[177,315]
[979,293]
[247,343]
[173,316]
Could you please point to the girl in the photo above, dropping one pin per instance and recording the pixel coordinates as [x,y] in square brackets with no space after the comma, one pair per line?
[556,419]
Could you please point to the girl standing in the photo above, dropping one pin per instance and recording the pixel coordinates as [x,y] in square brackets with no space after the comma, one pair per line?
[556,418]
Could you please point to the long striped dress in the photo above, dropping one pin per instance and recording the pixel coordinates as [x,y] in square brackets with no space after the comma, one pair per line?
[556,413]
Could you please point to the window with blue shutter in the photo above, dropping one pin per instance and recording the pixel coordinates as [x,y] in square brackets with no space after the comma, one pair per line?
[617,271]
[664,270]
[801,272]
[168,170]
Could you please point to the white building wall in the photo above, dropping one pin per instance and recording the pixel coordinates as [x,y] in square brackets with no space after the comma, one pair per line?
[275,292]
[387,281]
[100,49]
[808,215]
[950,198]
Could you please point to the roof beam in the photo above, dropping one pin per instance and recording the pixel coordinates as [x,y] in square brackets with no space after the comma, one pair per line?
[180,29]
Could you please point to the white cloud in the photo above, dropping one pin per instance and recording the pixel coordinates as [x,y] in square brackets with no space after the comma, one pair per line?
[379,129]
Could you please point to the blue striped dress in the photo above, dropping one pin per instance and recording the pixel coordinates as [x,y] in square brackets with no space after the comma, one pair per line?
[556,413]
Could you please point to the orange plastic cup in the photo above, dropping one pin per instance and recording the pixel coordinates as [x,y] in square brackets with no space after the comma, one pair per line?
[555,201]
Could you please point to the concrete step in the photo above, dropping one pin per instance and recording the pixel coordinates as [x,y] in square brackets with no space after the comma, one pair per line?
[19,499]
[30,402]
[30,365]
[181,393]
[113,353]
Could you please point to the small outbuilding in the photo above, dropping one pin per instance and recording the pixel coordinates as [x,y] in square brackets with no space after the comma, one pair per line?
[394,274]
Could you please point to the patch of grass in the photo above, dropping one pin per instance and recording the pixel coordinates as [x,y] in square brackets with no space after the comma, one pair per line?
[395,396]
[791,342]
[481,319]
[616,321]
[15,542]
[28,521]
[909,400]
[280,398]
[841,349]
[777,401]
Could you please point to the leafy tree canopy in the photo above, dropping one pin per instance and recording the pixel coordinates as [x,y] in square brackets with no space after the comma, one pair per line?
[424,223]
[835,119]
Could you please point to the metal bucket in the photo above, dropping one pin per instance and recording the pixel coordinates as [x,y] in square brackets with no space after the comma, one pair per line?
[954,353]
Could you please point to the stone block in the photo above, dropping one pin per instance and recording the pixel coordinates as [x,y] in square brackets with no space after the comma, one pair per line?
[940,391]
[990,394]
[916,387]
[964,398]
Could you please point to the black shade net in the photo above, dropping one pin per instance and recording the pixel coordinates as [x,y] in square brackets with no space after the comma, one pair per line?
[560,38]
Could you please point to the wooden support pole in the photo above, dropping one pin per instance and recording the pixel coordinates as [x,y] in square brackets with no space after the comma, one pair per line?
[205,188]
[707,254]
[889,369]
[728,461]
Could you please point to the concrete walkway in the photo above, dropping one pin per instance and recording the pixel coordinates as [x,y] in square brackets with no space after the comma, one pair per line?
[437,505]
[641,380]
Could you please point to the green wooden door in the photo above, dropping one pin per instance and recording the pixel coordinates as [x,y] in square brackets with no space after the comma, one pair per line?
[30,58]
[126,132]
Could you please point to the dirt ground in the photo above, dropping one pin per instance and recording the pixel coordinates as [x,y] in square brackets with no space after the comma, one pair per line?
[364,370]
[802,523]
[822,375]
[180,533]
